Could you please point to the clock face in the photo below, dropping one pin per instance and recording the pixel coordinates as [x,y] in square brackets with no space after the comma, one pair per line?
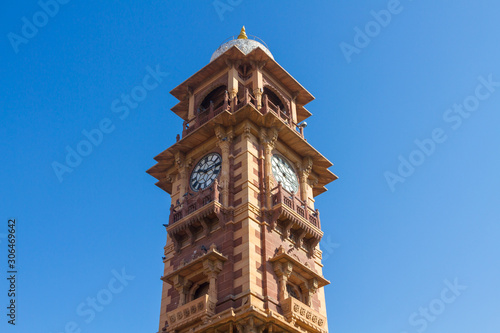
[205,172]
[284,173]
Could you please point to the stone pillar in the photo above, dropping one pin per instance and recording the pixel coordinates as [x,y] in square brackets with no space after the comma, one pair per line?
[283,271]
[268,137]
[258,96]
[183,166]
[305,169]
[312,181]
[191,103]
[232,81]
[182,286]
[225,137]
[293,108]
[308,290]
[257,82]
[212,269]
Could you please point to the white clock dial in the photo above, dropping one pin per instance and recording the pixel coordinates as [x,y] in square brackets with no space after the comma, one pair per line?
[205,172]
[284,173]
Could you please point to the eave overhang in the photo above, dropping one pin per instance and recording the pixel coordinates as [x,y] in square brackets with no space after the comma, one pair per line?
[195,266]
[300,268]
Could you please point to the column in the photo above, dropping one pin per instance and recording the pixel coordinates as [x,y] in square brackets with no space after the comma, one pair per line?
[305,169]
[212,269]
[258,82]
[283,271]
[183,166]
[309,289]
[232,82]
[268,137]
[182,286]
[191,103]
[225,137]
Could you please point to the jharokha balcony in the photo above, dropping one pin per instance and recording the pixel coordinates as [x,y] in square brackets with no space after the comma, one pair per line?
[196,283]
[295,218]
[232,105]
[194,214]
[191,202]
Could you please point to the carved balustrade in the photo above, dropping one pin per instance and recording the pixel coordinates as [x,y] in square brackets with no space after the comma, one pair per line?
[200,309]
[303,315]
[233,105]
[282,196]
[191,202]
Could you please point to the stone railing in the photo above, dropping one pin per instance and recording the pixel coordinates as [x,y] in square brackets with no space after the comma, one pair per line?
[232,105]
[268,106]
[302,315]
[199,309]
[204,116]
[282,196]
[191,202]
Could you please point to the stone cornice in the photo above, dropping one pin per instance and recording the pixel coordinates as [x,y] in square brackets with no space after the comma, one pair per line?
[298,267]
[196,265]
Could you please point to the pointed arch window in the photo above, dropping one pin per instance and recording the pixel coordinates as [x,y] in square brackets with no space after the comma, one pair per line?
[273,98]
[216,97]
[201,290]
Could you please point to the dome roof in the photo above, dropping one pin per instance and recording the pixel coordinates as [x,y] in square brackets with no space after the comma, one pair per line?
[243,43]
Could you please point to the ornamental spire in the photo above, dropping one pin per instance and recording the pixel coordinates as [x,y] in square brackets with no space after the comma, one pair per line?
[242,34]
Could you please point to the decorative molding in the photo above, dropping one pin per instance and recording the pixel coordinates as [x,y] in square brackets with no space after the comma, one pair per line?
[268,137]
[302,315]
[307,164]
[247,130]
[312,181]
[200,309]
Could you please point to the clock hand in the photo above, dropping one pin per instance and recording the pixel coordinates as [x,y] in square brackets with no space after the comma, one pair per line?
[281,169]
[211,167]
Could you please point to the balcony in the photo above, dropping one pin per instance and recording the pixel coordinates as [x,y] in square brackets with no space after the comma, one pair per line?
[200,309]
[191,202]
[196,213]
[300,314]
[290,200]
[297,221]
[233,105]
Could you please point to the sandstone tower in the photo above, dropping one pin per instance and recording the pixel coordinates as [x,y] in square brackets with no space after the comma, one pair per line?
[242,251]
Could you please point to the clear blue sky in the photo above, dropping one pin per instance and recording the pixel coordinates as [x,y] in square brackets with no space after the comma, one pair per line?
[389,245]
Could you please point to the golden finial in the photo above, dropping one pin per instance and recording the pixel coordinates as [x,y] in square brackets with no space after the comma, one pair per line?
[243,34]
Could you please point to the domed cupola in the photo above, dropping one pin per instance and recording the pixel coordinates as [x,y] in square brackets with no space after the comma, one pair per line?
[243,43]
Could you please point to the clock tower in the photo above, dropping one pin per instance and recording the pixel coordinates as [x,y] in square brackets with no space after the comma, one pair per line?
[242,252]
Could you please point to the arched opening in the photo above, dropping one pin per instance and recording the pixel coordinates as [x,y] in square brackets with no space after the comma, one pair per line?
[202,290]
[273,98]
[216,97]
[293,291]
